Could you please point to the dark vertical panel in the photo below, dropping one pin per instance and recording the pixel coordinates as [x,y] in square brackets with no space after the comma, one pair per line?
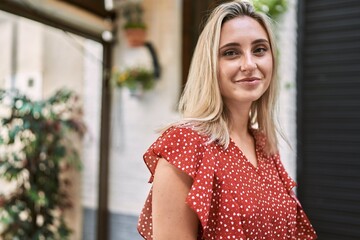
[103,211]
[194,16]
[329,116]
[187,42]
[193,13]
[299,97]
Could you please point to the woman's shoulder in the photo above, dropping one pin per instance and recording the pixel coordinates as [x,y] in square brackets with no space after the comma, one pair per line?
[184,133]
[182,146]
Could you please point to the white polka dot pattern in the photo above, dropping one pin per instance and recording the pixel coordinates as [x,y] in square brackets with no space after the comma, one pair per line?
[232,198]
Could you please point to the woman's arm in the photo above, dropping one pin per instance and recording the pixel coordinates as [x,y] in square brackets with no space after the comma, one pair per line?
[173,219]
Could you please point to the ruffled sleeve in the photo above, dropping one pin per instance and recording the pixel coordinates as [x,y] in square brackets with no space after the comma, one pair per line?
[185,149]
[181,147]
[304,229]
[288,182]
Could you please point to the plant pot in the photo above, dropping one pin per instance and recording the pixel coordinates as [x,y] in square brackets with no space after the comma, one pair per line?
[135,36]
[137,91]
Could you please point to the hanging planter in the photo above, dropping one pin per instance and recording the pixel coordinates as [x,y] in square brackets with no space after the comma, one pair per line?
[134,27]
[137,80]
[135,37]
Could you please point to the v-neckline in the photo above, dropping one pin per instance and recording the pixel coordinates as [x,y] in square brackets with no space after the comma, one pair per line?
[256,168]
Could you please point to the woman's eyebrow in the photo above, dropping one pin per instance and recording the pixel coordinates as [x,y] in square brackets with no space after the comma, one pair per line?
[235,44]
[231,44]
[261,40]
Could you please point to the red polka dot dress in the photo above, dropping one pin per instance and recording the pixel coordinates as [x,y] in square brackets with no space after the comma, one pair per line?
[232,198]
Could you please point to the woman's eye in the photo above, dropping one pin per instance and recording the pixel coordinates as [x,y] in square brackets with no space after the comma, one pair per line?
[230,53]
[260,50]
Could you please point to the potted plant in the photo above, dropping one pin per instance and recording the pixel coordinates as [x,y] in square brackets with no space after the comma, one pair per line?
[137,80]
[134,27]
[35,152]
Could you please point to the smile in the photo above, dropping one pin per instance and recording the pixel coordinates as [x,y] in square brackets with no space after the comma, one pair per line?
[248,80]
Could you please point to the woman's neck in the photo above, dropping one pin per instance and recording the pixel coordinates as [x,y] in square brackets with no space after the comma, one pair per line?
[240,134]
[239,122]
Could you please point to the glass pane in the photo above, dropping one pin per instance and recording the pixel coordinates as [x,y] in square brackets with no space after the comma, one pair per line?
[39,60]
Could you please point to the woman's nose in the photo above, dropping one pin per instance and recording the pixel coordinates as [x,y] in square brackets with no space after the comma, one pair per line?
[247,63]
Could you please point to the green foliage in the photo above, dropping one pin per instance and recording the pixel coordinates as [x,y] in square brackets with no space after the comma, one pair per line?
[133,77]
[35,150]
[272,8]
[130,25]
[133,15]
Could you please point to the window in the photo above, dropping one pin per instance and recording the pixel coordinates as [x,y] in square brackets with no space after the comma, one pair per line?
[38,60]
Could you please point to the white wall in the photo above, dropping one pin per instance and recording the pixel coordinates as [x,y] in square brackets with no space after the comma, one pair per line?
[287,40]
[6,30]
[135,120]
[29,58]
[92,77]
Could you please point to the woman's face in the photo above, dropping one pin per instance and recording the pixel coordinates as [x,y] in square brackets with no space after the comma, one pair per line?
[245,61]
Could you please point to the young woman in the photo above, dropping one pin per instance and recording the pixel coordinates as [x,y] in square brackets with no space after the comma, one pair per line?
[217,173]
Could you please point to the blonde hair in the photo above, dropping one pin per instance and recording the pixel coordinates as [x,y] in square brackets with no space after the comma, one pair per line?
[201,103]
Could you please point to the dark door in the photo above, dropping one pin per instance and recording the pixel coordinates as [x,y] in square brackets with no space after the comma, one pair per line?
[329,116]
[194,14]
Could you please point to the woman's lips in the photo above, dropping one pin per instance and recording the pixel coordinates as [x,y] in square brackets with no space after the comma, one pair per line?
[249,80]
